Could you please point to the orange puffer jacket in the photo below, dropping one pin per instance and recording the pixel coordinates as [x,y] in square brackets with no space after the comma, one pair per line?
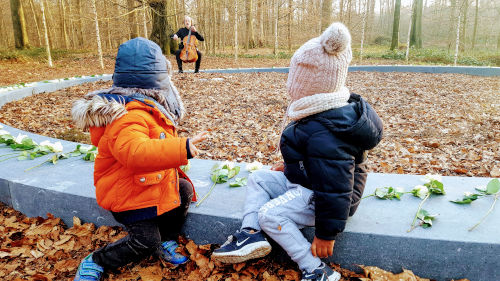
[139,154]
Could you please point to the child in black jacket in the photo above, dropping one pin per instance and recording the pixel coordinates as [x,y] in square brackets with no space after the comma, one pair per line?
[322,177]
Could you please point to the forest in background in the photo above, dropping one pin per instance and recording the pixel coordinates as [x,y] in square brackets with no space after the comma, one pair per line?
[467,27]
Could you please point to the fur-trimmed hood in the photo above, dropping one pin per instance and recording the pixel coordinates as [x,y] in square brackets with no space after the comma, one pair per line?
[102,107]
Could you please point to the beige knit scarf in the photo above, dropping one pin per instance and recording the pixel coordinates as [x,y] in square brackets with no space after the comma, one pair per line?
[317,103]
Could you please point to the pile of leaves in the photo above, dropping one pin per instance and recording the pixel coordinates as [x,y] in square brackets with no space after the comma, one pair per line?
[444,124]
[45,249]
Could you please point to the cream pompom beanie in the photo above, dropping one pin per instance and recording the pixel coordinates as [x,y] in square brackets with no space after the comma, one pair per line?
[318,72]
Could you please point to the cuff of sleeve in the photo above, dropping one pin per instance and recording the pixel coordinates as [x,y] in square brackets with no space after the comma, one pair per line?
[189,155]
[331,236]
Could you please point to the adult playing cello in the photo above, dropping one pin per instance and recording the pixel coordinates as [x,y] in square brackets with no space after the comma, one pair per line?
[180,34]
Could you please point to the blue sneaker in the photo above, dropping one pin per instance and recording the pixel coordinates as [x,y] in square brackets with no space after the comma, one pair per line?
[322,273]
[242,246]
[89,270]
[169,254]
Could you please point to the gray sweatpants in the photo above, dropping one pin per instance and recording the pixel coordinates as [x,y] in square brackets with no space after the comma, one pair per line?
[280,208]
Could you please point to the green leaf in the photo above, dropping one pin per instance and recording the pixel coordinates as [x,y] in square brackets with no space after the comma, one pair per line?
[467,199]
[425,218]
[435,187]
[493,186]
[233,172]
[238,182]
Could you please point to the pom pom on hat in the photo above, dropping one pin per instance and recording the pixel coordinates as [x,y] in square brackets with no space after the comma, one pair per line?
[336,38]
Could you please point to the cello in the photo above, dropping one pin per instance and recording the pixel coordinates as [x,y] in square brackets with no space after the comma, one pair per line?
[189,53]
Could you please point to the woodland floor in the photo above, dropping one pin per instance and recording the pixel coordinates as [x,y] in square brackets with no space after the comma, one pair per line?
[447,124]
[434,123]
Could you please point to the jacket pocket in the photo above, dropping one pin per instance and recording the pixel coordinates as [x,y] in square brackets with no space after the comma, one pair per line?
[149,178]
[296,172]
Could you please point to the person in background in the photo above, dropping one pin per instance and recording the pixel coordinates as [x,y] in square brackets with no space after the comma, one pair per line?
[136,172]
[180,34]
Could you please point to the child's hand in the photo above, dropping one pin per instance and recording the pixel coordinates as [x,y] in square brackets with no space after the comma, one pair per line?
[194,140]
[322,248]
[199,138]
[278,167]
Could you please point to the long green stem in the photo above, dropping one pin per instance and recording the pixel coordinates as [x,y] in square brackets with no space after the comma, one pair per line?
[5,159]
[36,166]
[367,196]
[3,155]
[206,195]
[412,227]
[487,214]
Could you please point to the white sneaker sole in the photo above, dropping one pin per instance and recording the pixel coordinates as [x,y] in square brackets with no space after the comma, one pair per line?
[250,251]
[334,277]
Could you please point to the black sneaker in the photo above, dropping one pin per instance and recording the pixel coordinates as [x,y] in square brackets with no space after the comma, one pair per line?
[242,246]
[196,70]
[322,273]
[180,71]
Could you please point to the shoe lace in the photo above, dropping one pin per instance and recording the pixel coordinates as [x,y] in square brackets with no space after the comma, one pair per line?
[230,239]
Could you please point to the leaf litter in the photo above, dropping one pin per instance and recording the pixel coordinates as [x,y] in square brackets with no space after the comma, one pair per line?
[444,124]
[46,249]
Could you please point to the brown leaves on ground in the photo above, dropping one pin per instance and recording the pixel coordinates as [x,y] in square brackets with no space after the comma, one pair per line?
[433,123]
[376,274]
[45,249]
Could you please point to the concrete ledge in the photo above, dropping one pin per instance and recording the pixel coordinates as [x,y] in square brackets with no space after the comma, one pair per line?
[12,93]
[470,70]
[376,235]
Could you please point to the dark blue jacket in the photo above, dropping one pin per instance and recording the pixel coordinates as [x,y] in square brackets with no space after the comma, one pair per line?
[325,153]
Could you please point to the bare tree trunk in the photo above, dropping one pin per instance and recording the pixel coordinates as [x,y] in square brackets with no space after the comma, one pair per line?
[409,34]
[363,26]
[453,4]
[50,25]
[475,25]
[326,14]
[276,18]
[64,32]
[236,30]
[144,21]
[161,27]
[97,35]
[80,23]
[260,18]
[132,22]
[72,25]
[290,11]
[36,23]
[108,32]
[341,11]
[213,25]
[395,25]
[416,30]
[457,42]
[249,22]
[46,35]
[465,8]
[19,25]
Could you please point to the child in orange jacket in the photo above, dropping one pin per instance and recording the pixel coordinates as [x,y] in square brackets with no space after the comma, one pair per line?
[136,173]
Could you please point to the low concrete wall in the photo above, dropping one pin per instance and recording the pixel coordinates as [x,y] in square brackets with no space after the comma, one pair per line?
[376,235]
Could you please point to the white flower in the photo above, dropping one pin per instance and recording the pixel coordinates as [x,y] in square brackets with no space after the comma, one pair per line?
[19,139]
[229,164]
[85,148]
[420,191]
[430,177]
[467,194]
[55,147]
[3,132]
[254,166]
[399,189]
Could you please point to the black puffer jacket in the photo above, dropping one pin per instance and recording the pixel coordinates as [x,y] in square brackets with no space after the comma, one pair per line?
[325,153]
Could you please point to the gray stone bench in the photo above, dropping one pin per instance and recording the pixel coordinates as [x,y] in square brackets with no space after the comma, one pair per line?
[376,235]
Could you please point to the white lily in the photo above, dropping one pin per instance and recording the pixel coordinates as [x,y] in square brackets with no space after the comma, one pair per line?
[19,139]
[229,164]
[86,148]
[430,177]
[55,147]
[421,191]
[254,166]
[3,132]
[467,193]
